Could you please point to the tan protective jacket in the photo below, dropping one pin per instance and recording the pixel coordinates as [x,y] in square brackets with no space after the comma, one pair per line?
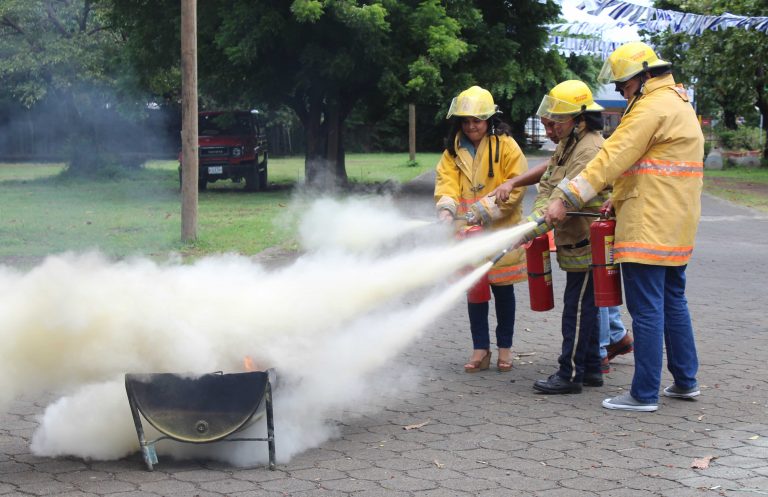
[571,236]
[463,180]
[654,160]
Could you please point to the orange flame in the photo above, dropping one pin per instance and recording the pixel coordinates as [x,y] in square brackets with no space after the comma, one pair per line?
[249,364]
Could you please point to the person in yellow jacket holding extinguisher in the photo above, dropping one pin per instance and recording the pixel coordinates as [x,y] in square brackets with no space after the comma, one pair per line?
[481,155]
[654,160]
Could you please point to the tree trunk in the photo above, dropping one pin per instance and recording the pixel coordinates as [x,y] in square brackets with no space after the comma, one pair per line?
[729,119]
[315,163]
[763,120]
[762,107]
[324,166]
[411,132]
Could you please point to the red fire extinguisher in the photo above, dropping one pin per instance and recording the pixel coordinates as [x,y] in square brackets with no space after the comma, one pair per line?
[539,274]
[605,273]
[481,290]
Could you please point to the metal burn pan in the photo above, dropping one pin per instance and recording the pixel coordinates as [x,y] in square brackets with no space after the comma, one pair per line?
[205,409]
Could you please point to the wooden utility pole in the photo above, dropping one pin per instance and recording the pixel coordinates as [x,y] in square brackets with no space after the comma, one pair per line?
[412,132]
[189,160]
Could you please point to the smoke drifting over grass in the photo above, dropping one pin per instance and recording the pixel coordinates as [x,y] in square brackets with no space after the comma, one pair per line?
[356,225]
[77,323]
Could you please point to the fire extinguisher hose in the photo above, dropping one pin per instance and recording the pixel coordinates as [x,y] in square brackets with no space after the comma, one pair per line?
[539,221]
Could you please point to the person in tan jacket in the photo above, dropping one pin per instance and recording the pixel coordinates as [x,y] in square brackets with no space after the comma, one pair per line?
[577,124]
[480,155]
[654,160]
[615,338]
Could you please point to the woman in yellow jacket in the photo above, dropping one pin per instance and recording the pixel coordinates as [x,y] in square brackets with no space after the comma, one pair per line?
[654,160]
[480,156]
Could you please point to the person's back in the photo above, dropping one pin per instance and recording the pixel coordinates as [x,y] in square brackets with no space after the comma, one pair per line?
[661,124]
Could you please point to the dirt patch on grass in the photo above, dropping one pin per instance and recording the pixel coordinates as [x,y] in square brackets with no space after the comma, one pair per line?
[743,186]
[749,193]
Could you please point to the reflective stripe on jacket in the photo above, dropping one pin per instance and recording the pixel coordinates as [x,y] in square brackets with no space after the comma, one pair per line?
[463,180]
[654,160]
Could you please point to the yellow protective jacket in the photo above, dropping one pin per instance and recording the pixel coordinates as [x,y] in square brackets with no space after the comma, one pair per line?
[572,235]
[463,180]
[654,160]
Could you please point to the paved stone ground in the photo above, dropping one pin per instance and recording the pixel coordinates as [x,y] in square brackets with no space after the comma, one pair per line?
[488,434]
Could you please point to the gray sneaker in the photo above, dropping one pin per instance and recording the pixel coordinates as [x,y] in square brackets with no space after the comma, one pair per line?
[625,402]
[681,393]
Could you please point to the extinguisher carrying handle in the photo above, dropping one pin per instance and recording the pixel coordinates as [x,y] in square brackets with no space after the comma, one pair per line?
[584,214]
[604,214]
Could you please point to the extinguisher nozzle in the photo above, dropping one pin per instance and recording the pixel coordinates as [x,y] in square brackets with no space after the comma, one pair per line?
[499,256]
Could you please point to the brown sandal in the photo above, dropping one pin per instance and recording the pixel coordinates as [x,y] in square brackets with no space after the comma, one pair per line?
[502,365]
[481,365]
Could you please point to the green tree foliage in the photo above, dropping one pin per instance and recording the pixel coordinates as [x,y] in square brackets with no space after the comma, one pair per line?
[63,55]
[729,68]
[52,46]
[322,58]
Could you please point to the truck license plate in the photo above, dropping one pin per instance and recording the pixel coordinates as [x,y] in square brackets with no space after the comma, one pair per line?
[215,169]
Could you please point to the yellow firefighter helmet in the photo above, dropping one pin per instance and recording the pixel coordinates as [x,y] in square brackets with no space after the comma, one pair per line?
[567,100]
[629,60]
[473,102]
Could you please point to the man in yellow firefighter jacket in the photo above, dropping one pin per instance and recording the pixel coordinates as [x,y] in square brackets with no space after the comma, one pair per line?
[480,156]
[654,160]
[577,124]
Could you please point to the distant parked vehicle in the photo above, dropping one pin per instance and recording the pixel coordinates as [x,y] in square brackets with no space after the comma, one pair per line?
[535,134]
[232,145]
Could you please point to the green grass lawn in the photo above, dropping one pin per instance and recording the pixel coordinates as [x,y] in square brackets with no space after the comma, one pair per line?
[45,213]
[140,214]
[742,185]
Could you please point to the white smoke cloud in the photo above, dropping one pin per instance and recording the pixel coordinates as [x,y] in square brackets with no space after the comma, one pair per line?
[356,224]
[326,324]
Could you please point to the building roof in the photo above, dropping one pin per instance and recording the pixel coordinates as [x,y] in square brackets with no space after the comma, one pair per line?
[609,98]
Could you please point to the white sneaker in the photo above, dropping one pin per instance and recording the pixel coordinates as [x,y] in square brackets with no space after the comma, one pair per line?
[625,402]
[681,393]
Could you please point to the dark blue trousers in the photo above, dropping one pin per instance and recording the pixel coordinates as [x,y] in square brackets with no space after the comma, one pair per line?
[504,298]
[659,309]
[581,334]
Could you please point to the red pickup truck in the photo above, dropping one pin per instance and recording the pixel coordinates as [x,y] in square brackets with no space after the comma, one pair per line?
[232,145]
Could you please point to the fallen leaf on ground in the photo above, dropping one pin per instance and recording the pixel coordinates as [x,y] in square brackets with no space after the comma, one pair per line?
[702,463]
[419,425]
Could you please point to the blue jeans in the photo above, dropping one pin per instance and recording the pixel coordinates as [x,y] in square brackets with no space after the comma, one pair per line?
[656,301]
[580,353]
[504,299]
[611,328]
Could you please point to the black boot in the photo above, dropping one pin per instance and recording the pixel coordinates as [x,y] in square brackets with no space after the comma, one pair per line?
[593,379]
[556,385]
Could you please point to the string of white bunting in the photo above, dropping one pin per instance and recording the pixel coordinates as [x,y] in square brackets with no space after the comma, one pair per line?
[653,19]
[583,46]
